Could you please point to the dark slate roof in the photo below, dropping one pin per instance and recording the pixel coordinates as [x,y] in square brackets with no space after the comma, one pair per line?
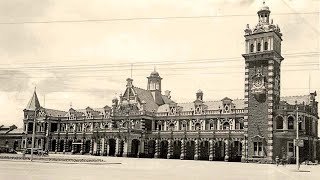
[166,100]
[34,102]
[300,99]
[55,113]
[211,105]
[145,95]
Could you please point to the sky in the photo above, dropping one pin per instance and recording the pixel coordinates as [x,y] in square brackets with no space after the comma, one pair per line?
[82,64]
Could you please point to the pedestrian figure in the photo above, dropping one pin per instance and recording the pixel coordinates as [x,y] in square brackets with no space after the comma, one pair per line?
[277,160]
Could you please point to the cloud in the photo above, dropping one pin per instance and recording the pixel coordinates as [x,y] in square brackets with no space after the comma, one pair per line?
[13,80]
[15,39]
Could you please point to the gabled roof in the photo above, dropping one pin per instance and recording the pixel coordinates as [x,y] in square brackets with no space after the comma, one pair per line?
[145,95]
[34,102]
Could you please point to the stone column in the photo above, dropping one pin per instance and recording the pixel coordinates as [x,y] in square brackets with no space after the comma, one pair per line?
[211,149]
[42,143]
[196,149]
[170,149]
[65,146]
[183,149]
[157,148]
[81,146]
[146,148]
[127,148]
[91,146]
[106,146]
[72,147]
[141,148]
[226,157]
[98,146]
[117,147]
[57,146]
[102,146]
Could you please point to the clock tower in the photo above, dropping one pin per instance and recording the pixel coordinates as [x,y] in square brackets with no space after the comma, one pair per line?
[262,85]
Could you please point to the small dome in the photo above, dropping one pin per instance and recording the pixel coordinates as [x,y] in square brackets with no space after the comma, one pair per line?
[115,98]
[199,91]
[154,74]
[143,102]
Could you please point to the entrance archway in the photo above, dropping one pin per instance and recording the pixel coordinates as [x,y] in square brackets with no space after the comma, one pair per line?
[61,145]
[69,146]
[220,150]
[236,151]
[112,147]
[151,148]
[176,150]
[87,146]
[53,145]
[190,150]
[204,150]
[163,149]
[135,147]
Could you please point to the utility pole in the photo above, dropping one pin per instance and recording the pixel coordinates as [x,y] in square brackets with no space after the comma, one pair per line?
[33,132]
[297,138]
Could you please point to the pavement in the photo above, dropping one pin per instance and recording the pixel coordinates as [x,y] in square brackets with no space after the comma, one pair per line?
[140,168]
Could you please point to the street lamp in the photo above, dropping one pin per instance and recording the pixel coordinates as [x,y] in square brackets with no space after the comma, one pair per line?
[297,137]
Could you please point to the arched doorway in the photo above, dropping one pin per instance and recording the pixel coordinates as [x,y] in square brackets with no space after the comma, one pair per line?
[53,145]
[61,145]
[135,148]
[176,150]
[77,146]
[163,149]
[190,150]
[219,150]
[204,150]
[87,146]
[69,146]
[112,147]
[151,148]
[236,151]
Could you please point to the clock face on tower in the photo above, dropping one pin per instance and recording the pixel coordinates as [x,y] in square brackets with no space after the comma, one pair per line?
[257,83]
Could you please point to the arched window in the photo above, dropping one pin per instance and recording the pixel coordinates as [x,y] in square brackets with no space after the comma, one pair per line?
[290,122]
[197,126]
[226,126]
[265,46]
[259,47]
[251,47]
[279,122]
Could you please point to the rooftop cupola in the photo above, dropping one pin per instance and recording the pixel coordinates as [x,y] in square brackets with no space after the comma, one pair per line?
[264,14]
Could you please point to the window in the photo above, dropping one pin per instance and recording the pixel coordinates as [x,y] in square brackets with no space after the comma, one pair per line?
[265,46]
[258,148]
[279,122]
[290,122]
[197,126]
[290,147]
[259,47]
[226,126]
[211,126]
[251,47]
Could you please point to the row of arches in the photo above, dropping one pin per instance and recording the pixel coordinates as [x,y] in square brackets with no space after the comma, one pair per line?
[173,149]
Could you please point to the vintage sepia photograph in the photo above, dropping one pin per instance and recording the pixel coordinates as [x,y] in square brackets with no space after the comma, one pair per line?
[159,89]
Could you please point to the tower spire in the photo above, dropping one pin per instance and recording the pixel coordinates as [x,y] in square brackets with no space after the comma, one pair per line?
[34,102]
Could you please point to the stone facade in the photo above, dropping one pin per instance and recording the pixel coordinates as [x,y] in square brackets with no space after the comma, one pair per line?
[146,123]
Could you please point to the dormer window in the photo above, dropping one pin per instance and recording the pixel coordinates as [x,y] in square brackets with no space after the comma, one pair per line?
[226,108]
[251,47]
[265,46]
[259,47]
[172,110]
